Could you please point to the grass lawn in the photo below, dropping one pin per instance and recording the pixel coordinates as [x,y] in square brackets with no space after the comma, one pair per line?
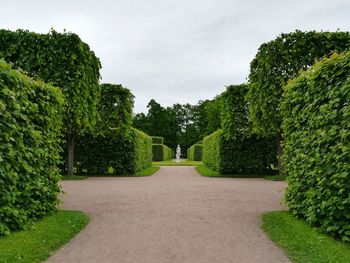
[303,243]
[74,177]
[207,172]
[174,163]
[44,237]
[148,171]
[276,177]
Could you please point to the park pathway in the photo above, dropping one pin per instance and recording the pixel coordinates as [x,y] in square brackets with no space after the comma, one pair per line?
[176,215]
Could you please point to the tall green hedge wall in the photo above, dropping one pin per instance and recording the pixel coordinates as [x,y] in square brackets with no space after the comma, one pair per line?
[30,125]
[157,140]
[65,61]
[226,156]
[194,153]
[316,130]
[161,152]
[211,151]
[113,153]
[113,147]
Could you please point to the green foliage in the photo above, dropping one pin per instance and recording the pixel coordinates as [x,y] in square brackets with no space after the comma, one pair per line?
[30,124]
[114,108]
[194,153]
[280,60]
[316,129]
[157,140]
[43,239]
[143,150]
[63,60]
[113,147]
[228,156]
[211,151]
[161,152]
[113,153]
[303,243]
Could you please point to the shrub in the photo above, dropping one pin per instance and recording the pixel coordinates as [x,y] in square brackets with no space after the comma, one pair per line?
[66,62]
[316,130]
[157,140]
[227,156]
[211,151]
[161,152]
[30,124]
[194,153]
[114,153]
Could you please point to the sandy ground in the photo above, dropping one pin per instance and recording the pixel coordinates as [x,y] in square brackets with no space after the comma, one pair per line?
[175,215]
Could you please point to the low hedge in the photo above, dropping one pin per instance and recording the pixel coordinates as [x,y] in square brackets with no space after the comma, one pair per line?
[30,124]
[194,153]
[252,155]
[113,153]
[161,152]
[157,140]
[316,130]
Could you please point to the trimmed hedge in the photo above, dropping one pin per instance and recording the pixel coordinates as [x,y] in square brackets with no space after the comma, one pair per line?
[30,124]
[316,129]
[161,152]
[157,140]
[211,151]
[113,153]
[194,153]
[226,156]
[64,60]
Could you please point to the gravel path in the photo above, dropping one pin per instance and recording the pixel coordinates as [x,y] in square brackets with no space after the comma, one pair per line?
[175,215]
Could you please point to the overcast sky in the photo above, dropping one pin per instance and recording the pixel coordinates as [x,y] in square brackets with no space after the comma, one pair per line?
[175,51]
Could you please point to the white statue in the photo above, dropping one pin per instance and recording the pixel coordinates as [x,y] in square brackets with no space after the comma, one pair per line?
[178,153]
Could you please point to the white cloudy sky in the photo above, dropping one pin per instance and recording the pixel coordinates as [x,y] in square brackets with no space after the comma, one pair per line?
[175,50]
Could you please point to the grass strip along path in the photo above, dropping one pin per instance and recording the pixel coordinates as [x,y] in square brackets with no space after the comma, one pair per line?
[302,243]
[43,238]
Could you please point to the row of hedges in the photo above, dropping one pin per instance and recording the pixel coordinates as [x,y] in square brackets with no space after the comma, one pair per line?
[161,152]
[157,140]
[227,156]
[30,124]
[113,153]
[113,147]
[316,131]
[194,153]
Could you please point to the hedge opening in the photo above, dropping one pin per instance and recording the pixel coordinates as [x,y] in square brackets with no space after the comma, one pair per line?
[194,153]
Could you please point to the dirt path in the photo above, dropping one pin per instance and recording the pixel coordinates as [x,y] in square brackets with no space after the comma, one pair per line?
[175,215]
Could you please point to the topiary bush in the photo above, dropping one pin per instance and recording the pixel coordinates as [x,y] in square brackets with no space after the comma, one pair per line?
[194,153]
[157,140]
[143,150]
[30,124]
[68,63]
[316,131]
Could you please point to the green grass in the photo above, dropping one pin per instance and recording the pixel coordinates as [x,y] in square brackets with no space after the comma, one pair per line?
[148,171]
[74,177]
[207,172]
[43,238]
[182,163]
[303,243]
[276,177]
